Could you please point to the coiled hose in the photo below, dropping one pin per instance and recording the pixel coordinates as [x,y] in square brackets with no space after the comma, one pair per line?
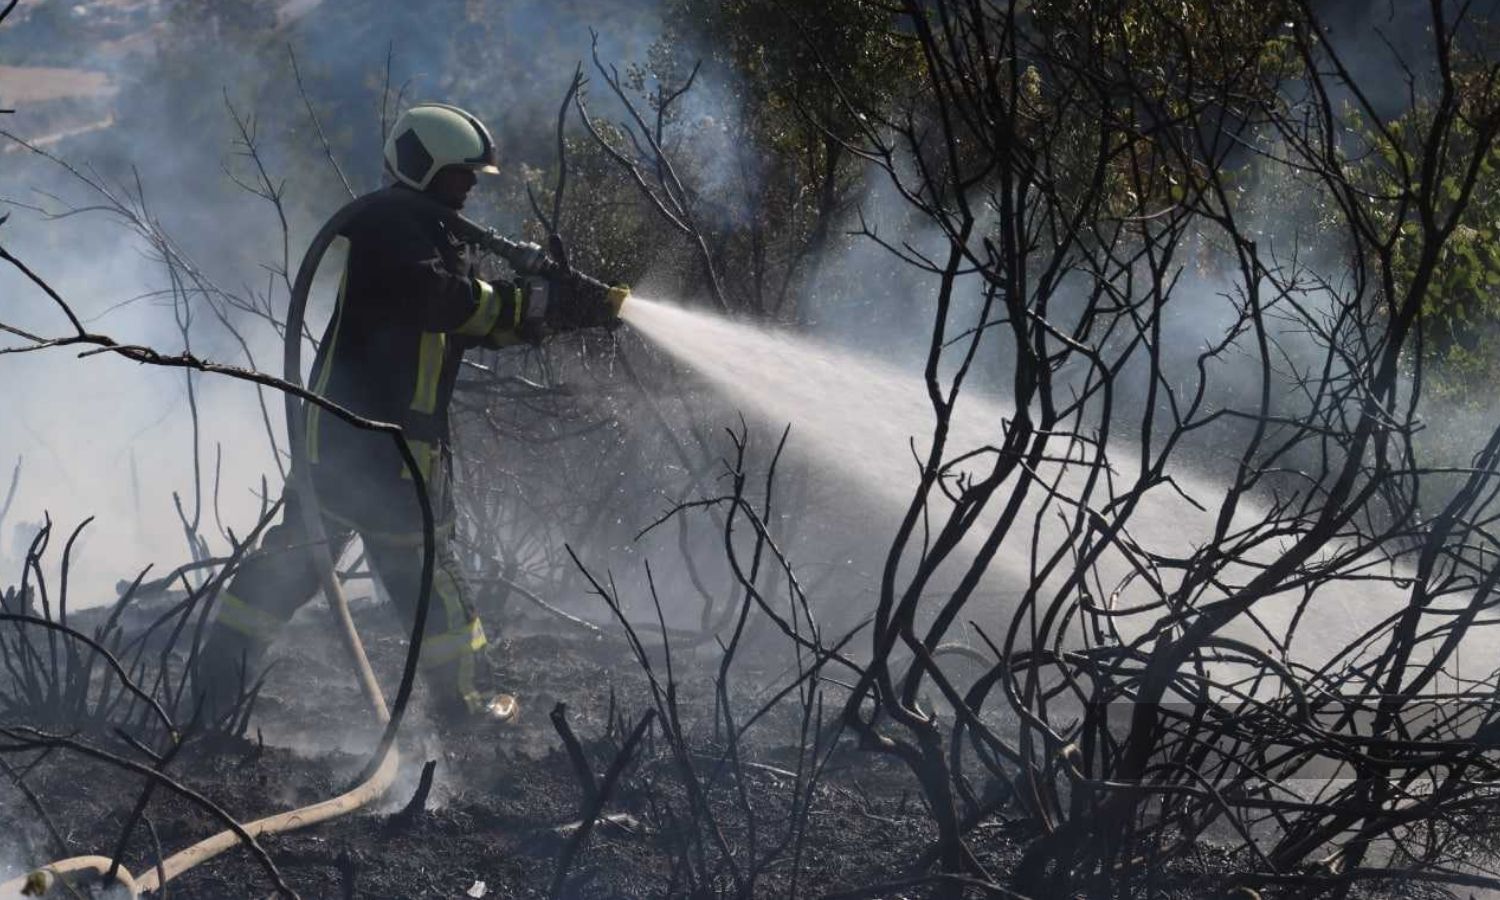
[380,779]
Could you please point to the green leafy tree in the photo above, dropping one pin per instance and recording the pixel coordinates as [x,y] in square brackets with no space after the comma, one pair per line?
[1459,353]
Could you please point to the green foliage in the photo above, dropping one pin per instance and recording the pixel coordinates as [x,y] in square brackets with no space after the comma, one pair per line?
[759,142]
[1460,311]
[804,66]
[769,162]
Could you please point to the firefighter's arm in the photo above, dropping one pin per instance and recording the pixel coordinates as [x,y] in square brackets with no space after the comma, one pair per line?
[533,308]
[518,321]
[584,303]
[412,266]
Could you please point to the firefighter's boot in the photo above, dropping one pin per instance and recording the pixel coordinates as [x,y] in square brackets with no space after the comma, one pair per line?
[478,708]
[454,666]
[226,675]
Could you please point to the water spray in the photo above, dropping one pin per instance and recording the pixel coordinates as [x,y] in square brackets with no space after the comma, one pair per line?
[859,418]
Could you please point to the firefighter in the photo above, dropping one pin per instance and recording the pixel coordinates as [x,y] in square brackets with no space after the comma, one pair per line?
[409,305]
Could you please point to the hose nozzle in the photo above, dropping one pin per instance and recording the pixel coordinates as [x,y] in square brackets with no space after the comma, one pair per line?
[616,296]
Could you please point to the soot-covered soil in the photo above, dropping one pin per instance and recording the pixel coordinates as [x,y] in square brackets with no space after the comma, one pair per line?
[496,821]
[497,817]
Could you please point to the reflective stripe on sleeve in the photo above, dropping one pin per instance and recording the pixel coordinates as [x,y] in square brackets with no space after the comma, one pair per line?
[429,371]
[240,616]
[508,322]
[442,649]
[486,312]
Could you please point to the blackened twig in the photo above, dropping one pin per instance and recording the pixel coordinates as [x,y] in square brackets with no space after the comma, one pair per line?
[414,808]
[316,123]
[591,814]
[59,842]
[581,768]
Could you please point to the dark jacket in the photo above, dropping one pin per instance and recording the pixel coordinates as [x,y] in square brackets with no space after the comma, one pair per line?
[409,305]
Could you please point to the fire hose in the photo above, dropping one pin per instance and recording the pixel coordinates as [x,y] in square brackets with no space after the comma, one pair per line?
[526,258]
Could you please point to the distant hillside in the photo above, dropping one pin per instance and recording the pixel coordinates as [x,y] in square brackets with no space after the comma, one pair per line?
[52,103]
[57,94]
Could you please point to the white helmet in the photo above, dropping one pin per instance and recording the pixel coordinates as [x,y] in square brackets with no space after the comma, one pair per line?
[429,136]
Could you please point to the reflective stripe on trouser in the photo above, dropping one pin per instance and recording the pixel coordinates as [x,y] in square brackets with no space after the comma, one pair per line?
[258,624]
[272,582]
[453,634]
[275,581]
[441,649]
[451,654]
[427,454]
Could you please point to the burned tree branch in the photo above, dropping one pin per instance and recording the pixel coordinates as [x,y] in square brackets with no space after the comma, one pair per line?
[317,123]
[672,201]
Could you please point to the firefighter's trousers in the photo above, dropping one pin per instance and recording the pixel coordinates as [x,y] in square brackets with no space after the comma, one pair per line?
[274,581]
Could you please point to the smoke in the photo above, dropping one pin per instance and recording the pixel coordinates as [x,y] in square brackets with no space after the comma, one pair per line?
[861,424]
[104,438]
[867,304]
[109,439]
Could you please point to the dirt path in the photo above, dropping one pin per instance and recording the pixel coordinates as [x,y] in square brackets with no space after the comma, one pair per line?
[28,85]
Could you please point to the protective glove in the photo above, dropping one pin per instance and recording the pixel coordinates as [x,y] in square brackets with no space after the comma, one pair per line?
[568,304]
